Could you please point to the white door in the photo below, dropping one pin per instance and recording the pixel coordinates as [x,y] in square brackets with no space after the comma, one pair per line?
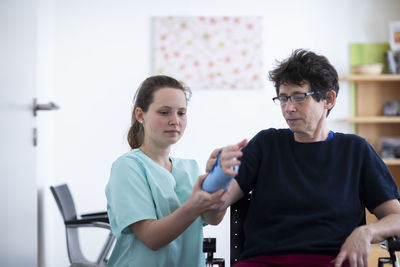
[18,197]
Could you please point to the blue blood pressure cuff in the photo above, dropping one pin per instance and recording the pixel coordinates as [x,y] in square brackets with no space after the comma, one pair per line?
[216,178]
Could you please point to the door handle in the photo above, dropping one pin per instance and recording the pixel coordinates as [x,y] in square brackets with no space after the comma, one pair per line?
[36,107]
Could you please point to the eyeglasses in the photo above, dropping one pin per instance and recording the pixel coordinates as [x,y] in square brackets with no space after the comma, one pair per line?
[295,98]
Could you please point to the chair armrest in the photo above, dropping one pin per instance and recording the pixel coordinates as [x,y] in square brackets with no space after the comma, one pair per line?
[80,223]
[89,219]
[391,244]
[101,213]
[97,216]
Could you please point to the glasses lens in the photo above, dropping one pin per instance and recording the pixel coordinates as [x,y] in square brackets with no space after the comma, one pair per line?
[298,98]
[283,99]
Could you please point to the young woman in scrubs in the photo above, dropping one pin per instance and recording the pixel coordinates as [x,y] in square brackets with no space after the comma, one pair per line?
[154,201]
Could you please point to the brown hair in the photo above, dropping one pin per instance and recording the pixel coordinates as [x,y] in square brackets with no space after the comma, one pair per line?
[144,97]
[306,66]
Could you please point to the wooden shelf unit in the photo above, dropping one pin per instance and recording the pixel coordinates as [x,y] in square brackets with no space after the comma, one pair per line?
[372,78]
[392,162]
[372,91]
[373,119]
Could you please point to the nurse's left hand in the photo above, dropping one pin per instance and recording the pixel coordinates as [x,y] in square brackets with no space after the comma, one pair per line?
[201,201]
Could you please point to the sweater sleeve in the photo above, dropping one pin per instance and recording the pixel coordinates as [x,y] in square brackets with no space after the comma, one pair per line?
[250,161]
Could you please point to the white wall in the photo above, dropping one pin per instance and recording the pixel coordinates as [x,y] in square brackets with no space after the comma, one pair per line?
[94,54]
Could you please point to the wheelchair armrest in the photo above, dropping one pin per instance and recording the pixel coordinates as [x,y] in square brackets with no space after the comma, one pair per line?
[391,244]
[394,245]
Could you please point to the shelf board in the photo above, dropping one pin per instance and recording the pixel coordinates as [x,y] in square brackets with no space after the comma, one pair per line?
[371,78]
[372,119]
[392,162]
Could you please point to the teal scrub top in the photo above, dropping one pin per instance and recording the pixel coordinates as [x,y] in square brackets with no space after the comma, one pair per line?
[141,189]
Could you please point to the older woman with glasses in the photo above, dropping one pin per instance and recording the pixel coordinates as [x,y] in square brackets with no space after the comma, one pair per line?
[310,186]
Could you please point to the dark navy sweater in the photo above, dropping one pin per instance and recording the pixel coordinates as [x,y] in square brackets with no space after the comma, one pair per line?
[308,197]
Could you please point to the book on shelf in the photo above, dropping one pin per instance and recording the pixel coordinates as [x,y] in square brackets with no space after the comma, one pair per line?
[392,61]
[392,56]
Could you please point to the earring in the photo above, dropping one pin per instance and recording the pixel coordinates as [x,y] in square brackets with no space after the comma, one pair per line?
[140,122]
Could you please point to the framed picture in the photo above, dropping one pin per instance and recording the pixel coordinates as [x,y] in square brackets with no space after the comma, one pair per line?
[214,52]
[394,31]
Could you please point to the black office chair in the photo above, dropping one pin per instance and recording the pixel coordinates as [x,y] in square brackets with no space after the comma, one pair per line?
[238,214]
[72,222]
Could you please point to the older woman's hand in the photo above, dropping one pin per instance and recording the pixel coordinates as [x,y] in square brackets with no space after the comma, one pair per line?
[211,160]
[356,248]
[229,157]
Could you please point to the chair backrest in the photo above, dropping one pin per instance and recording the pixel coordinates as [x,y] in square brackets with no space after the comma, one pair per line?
[66,205]
[64,201]
[238,214]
